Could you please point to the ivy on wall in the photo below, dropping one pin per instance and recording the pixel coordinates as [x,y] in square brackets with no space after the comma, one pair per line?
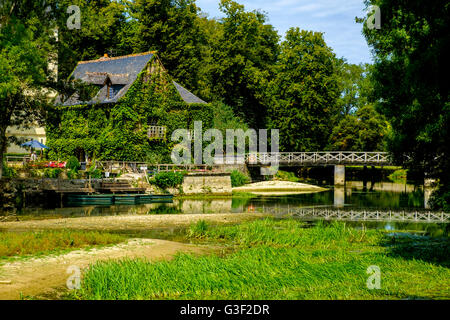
[119,131]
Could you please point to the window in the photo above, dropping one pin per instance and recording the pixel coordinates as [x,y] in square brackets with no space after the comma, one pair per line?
[113,90]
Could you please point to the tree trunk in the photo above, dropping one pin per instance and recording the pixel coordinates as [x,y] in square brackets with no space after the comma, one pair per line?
[2,148]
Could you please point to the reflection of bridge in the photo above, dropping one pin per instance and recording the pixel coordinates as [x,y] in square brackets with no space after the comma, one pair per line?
[357,215]
[320,158]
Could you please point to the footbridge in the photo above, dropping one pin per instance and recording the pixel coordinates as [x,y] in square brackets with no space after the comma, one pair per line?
[320,158]
[339,159]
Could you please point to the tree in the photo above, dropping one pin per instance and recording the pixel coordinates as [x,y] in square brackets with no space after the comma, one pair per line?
[23,66]
[354,85]
[243,58]
[365,130]
[171,27]
[304,92]
[411,83]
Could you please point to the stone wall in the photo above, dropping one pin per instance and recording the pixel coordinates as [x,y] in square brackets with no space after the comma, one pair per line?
[207,183]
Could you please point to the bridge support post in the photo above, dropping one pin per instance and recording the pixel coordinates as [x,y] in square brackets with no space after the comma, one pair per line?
[427,191]
[339,196]
[339,175]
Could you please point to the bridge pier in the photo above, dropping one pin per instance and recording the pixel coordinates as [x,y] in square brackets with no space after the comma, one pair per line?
[339,175]
[339,196]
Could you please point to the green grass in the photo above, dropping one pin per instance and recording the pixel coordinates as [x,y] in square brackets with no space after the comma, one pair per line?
[13,244]
[270,259]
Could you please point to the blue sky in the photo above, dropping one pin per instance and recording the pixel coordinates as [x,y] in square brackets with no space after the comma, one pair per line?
[336,18]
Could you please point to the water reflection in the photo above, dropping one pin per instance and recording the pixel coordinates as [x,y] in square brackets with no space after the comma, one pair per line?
[355,195]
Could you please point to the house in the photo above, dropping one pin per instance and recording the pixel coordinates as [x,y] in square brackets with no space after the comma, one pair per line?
[125,110]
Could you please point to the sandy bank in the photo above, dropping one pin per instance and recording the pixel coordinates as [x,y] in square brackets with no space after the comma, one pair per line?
[126,222]
[279,188]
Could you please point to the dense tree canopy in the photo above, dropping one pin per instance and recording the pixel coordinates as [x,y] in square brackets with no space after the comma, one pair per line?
[411,83]
[304,92]
[237,63]
[24,77]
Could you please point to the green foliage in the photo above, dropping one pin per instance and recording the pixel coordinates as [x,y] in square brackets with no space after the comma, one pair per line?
[44,242]
[73,174]
[73,164]
[23,66]
[286,176]
[366,130]
[399,175]
[279,260]
[53,173]
[198,230]
[410,78]
[245,49]
[238,178]
[119,131]
[168,179]
[304,92]
[94,172]
[8,172]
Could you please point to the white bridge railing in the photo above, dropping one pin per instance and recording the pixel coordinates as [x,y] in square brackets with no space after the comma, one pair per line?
[320,158]
[355,214]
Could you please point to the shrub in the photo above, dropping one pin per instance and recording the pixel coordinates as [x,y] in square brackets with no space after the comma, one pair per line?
[8,172]
[238,179]
[73,164]
[166,180]
[73,174]
[94,172]
[286,176]
[52,173]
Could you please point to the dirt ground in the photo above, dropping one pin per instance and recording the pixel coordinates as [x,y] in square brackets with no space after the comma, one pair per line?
[46,277]
[126,222]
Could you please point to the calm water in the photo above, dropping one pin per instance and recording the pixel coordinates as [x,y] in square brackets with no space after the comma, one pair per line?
[355,195]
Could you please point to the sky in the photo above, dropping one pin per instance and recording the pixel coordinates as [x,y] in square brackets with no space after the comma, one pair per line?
[335,18]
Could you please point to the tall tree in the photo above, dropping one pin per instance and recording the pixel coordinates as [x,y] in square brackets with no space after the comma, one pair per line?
[244,55]
[411,71]
[365,130]
[304,92]
[171,27]
[24,76]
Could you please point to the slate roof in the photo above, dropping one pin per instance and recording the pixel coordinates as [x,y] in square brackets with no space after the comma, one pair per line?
[120,71]
[186,95]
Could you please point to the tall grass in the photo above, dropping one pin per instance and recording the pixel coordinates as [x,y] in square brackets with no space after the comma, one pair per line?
[273,260]
[42,242]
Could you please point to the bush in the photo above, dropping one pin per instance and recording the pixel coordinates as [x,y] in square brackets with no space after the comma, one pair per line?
[166,180]
[8,172]
[73,174]
[286,176]
[238,179]
[73,164]
[94,172]
[52,173]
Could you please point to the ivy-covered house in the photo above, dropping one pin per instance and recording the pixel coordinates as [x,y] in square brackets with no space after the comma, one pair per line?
[125,109]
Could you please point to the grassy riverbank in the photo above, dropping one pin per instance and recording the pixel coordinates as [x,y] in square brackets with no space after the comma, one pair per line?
[270,259]
[22,244]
